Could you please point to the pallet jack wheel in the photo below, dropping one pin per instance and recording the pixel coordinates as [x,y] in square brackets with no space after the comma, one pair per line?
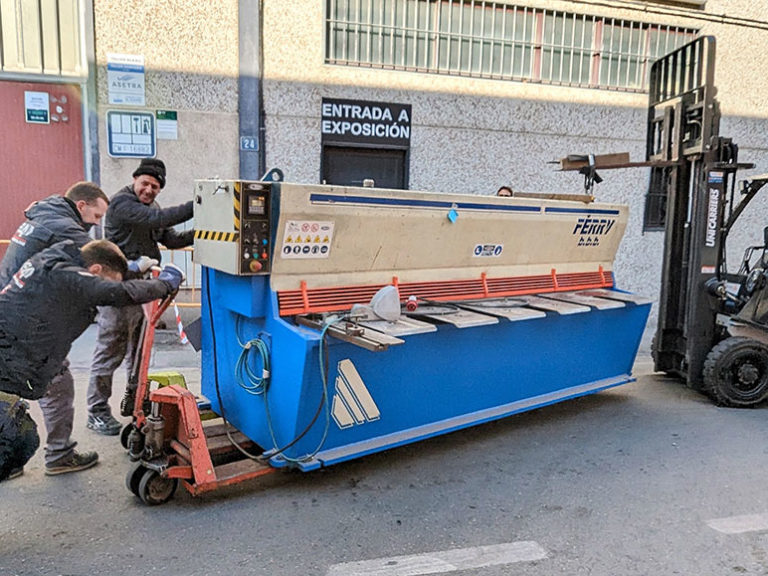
[736,372]
[124,434]
[133,478]
[154,489]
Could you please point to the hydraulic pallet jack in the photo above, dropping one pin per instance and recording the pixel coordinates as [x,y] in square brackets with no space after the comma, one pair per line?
[173,435]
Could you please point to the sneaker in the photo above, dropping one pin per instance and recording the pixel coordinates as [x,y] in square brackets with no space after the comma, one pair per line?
[15,473]
[127,403]
[106,425]
[78,461]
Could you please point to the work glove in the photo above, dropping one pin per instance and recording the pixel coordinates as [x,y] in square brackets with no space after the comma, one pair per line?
[172,275]
[141,264]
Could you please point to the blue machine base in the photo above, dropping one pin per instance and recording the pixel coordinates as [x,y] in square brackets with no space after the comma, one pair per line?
[350,451]
[431,384]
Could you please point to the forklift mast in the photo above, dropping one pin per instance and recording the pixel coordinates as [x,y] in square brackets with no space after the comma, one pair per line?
[692,168]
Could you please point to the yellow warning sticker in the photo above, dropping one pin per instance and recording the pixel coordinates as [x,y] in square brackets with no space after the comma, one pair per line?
[302,239]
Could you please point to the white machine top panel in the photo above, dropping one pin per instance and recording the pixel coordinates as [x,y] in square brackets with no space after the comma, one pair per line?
[335,236]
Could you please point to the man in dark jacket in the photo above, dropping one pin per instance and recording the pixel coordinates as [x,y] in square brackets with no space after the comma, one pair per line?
[57,218]
[49,303]
[136,223]
[49,221]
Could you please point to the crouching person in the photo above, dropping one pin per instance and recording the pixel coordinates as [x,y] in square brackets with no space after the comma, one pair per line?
[18,436]
[45,307]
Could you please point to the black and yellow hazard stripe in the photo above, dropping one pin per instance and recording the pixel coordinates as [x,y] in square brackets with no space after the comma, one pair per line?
[217,236]
[236,204]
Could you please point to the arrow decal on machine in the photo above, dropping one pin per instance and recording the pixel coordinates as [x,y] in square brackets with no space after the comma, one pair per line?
[352,403]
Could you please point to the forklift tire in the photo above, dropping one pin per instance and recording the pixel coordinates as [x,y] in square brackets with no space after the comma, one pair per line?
[134,476]
[736,372]
[154,489]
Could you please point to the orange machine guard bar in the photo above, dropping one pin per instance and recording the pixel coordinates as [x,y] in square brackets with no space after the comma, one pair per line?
[339,298]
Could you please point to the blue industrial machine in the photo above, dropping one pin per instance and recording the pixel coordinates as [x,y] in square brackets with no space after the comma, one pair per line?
[338,322]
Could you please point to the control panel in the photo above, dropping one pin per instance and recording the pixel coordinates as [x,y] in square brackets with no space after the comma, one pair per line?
[233,226]
[255,239]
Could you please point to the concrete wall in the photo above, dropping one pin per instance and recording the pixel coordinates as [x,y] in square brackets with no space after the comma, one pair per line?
[191,61]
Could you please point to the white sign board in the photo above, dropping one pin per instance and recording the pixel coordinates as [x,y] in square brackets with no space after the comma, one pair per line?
[131,134]
[167,125]
[37,107]
[125,79]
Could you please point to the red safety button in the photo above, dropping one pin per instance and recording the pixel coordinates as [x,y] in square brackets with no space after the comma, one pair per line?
[263,255]
[254,265]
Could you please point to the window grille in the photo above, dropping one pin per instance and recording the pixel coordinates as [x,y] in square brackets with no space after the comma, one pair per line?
[497,40]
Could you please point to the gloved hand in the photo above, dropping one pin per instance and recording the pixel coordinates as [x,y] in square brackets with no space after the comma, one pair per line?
[141,264]
[172,275]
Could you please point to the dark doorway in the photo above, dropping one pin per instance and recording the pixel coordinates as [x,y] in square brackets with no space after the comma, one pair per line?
[350,166]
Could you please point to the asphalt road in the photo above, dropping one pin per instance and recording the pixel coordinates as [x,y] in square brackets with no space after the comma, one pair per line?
[646,479]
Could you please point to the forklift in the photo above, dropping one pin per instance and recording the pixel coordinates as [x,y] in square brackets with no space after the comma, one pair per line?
[712,324]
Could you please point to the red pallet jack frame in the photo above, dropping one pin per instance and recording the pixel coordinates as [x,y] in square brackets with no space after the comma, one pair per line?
[172,439]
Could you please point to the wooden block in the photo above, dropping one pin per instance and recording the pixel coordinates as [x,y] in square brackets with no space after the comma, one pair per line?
[577,162]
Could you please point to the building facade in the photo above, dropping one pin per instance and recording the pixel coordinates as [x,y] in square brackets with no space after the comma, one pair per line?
[438,95]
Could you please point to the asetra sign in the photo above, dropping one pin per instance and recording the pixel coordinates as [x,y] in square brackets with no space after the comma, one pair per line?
[362,122]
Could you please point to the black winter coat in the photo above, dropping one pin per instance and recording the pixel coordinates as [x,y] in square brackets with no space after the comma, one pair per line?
[48,304]
[48,221]
[137,227]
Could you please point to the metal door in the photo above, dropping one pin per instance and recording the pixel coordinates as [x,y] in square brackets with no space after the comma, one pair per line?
[37,159]
[350,166]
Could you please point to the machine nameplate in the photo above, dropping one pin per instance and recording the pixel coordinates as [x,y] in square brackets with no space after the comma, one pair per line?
[484,250]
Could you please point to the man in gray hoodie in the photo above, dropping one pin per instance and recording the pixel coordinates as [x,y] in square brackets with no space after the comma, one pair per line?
[49,221]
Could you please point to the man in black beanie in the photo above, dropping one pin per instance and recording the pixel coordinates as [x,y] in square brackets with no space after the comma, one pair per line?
[136,223]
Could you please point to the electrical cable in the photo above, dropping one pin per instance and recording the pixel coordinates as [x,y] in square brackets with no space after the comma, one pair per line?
[323,361]
[243,451]
[247,379]
[441,309]
[261,384]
